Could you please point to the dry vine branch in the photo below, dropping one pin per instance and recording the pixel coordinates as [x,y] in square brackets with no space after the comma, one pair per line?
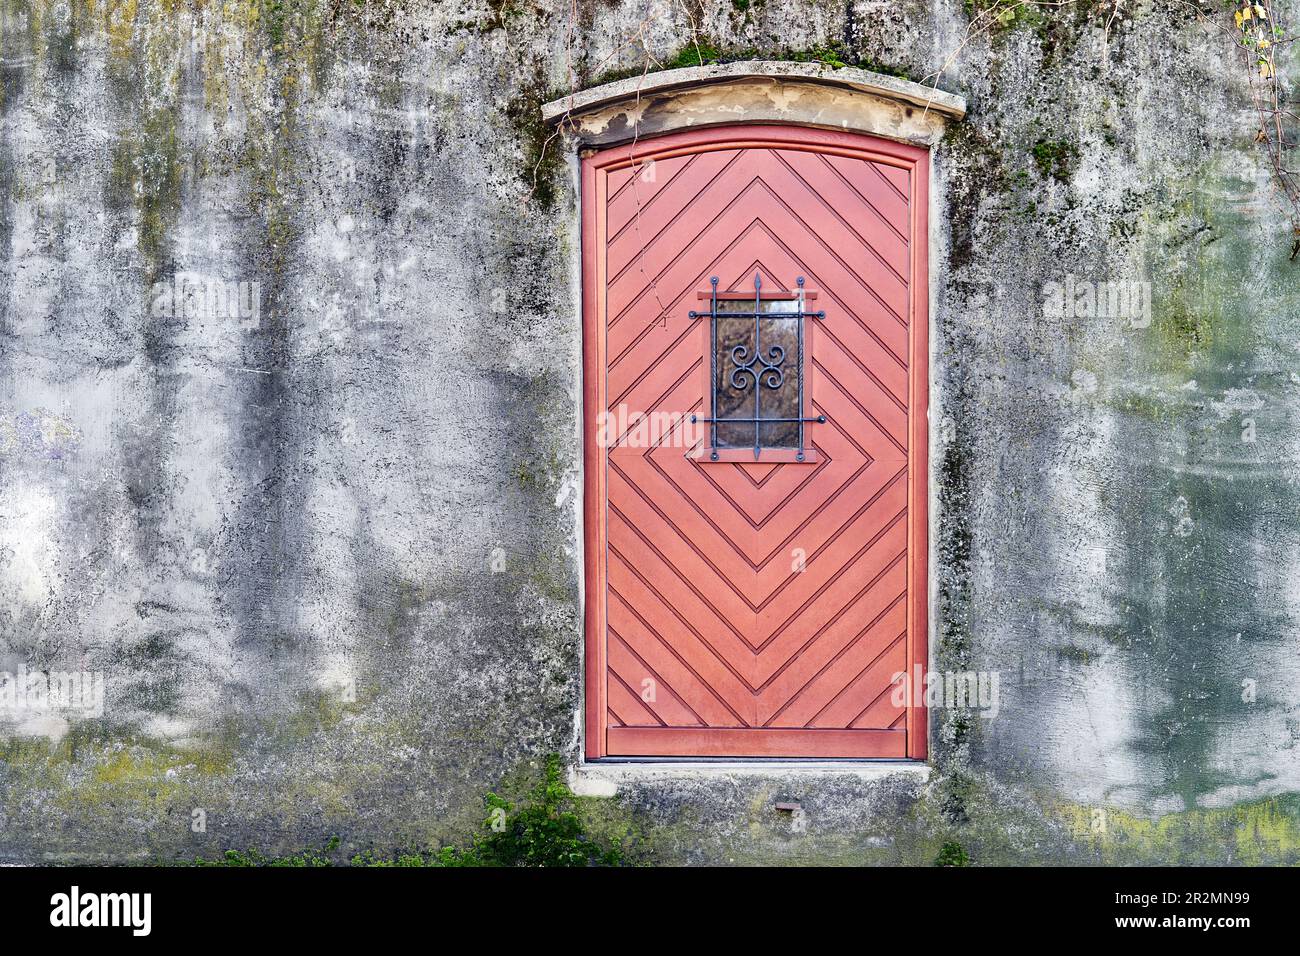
[564,121]
[1258,32]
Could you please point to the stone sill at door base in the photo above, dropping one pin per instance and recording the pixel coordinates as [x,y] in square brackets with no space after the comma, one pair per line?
[602,778]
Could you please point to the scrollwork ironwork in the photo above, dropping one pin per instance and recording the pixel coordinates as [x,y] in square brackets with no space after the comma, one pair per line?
[744,375]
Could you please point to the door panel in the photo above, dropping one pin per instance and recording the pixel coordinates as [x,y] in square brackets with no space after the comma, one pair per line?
[755,602]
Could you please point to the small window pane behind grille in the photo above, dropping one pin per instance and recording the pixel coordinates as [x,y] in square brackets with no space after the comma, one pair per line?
[734,385]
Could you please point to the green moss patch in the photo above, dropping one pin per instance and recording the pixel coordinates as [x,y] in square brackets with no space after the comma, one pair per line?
[1055,158]
[548,826]
[704,51]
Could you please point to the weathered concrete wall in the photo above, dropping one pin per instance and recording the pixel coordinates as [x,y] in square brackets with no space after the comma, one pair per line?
[326,552]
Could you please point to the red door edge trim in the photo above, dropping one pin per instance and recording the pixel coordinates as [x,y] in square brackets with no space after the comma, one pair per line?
[918,457]
[594,522]
[592,226]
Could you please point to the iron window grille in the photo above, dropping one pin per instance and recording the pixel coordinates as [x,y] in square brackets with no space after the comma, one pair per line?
[752,368]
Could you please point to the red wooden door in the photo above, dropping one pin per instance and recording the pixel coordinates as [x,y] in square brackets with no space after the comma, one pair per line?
[755,449]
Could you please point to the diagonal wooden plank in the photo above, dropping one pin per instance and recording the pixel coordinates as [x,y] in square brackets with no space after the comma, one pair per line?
[641,611]
[823,669]
[636,188]
[758,541]
[677,581]
[877,568]
[654,692]
[878,184]
[627,704]
[786,500]
[647,330]
[714,540]
[862,282]
[896,176]
[707,518]
[856,687]
[834,251]
[838,376]
[707,225]
[827,545]
[865,700]
[702,552]
[871,206]
[834,204]
[690,670]
[665,207]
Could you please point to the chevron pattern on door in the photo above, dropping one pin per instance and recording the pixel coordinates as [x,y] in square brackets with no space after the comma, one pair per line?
[741,607]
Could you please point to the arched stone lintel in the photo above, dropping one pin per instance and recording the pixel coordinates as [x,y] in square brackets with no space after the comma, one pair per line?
[756,92]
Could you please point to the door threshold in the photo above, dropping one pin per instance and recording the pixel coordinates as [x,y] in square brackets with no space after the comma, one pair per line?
[603,777]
